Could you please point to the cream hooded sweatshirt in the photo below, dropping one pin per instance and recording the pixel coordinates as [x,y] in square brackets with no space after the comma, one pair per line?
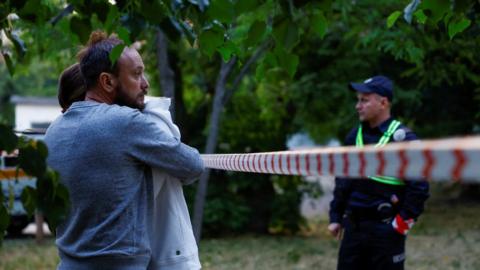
[173,243]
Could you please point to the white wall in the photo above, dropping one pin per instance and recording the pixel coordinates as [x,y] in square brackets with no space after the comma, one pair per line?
[26,114]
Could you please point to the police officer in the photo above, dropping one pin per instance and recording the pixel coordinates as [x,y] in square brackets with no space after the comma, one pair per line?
[376,214]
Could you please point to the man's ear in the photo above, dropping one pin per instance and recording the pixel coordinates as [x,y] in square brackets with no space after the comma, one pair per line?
[108,82]
[386,103]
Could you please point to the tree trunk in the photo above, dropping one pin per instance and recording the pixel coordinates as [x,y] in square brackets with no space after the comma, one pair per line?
[221,97]
[217,108]
[165,73]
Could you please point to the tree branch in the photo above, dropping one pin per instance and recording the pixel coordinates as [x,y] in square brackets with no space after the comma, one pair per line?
[244,71]
[165,72]
[225,70]
[67,10]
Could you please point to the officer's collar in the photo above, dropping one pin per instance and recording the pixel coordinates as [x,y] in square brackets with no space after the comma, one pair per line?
[383,127]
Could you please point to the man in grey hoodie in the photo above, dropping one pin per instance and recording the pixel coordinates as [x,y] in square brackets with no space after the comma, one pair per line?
[104,149]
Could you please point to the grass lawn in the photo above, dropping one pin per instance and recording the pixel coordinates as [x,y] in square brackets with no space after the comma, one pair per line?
[446,237]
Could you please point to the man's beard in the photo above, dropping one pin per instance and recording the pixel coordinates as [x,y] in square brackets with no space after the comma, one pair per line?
[123,99]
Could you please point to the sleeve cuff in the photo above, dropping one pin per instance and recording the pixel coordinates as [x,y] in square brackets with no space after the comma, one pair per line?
[334,218]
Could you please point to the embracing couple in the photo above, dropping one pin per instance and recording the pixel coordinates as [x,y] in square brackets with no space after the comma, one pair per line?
[123,164]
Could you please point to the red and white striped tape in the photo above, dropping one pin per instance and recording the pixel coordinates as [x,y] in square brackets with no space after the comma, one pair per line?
[441,160]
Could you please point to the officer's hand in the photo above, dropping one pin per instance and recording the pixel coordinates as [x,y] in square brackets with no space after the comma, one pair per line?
[336,230]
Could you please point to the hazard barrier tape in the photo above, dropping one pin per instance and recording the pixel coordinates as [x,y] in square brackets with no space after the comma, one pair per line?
[456,159]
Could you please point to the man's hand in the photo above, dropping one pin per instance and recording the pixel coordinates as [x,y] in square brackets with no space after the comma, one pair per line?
[336,230]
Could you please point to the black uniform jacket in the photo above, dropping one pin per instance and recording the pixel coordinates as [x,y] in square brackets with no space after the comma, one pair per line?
[361,197]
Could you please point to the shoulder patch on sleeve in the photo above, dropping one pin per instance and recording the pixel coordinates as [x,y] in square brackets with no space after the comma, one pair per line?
[400,134]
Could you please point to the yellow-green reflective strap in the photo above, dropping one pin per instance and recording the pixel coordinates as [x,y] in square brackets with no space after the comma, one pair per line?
[388,180]
[383,141]
[359,139]
[388,134]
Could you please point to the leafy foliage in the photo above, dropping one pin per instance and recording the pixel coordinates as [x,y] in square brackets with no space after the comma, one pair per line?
[436,80]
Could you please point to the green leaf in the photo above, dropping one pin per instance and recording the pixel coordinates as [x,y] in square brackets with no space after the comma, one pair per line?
[269,61]
[260,72]
[81,27]
[256,32]
[393,18]
[32,11]
[242,6]
[124,35]
[29,200]
[52,198]
[46,191]
[221,10]
[4,9]
[319,24]
[64,25]
[436,9]
[457,27]
[112,18]
[9,140]
[276,75]
[153,11]
[287,61]
[319,5]
[101,8]
[420,15]
[8,61]
[31,158]
[462,6]
[286,34]
[62,193]
[415,54]
[210,40]
[116,52]
[227,50]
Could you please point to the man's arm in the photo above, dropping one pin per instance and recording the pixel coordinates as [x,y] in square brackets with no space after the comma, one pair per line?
[154,147]
[416,193]
[341,194]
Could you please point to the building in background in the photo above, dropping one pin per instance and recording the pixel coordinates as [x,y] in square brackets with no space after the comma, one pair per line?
[35,113]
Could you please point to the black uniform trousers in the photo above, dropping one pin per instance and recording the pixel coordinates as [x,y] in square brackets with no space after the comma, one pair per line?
[371,245]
